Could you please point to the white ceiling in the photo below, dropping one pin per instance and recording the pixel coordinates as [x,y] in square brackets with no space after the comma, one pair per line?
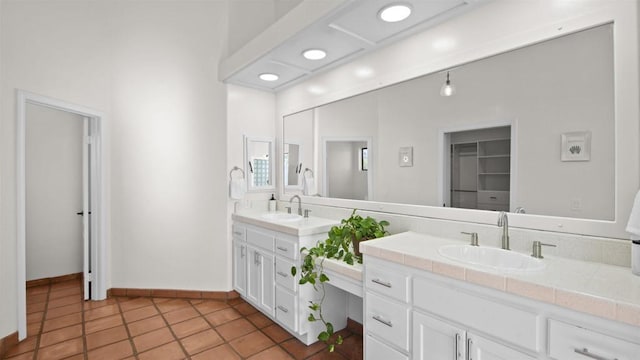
[344,34]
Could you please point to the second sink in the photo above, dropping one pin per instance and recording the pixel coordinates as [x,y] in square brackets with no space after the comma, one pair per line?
[278,216]
[497,259]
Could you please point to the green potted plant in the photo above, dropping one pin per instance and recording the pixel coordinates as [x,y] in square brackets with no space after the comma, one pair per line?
[342,244]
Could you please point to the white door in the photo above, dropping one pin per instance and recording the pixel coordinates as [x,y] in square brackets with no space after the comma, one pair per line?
[480,348]
[437,340]
[240,267]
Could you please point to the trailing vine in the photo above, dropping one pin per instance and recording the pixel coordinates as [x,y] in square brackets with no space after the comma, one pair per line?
[339,246]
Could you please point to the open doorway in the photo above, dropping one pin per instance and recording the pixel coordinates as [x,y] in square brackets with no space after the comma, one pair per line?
[59,180]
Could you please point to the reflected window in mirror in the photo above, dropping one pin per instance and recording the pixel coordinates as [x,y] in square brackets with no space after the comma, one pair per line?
[292,165]
[258,158]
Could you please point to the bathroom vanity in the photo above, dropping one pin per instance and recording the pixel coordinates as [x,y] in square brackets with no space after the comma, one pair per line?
[265,247]
[421,305]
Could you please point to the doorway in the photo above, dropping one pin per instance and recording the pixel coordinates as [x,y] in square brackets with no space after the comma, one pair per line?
[92,241]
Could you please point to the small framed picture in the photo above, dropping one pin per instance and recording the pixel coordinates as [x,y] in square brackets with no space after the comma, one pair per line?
[576,146]
[406,156]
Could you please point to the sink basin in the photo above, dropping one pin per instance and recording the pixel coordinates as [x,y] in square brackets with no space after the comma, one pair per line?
[283,217]
[493,258]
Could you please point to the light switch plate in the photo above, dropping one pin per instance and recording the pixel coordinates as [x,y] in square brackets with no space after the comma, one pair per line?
[406,156]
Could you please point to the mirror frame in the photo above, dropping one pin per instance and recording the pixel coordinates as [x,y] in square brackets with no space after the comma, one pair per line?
[272,156]
[491,39]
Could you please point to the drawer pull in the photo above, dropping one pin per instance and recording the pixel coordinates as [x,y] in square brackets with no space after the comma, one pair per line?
[242,251]
[283,309]
[587,353]
[383,321]
[237,233]
[282,248]
[493,198]
[383,283]
[458,352]
[283,274]
[469,351]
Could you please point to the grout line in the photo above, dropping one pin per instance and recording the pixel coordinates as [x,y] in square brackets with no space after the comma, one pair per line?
[170,329]
[41,330]
[126,327]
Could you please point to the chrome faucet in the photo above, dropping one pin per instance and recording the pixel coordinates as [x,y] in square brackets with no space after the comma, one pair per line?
[299,203]
[504,222]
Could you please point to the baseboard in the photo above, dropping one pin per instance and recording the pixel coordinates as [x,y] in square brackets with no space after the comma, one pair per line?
[53,280]
[7,343]
[177,294]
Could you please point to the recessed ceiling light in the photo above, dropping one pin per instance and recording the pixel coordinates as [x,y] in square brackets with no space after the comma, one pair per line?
[395,12]
[269,77]
[314,54]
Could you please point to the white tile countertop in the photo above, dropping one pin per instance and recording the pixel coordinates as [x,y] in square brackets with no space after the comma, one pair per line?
[305,226]
[602,290]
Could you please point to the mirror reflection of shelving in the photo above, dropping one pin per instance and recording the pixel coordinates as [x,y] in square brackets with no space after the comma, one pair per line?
[480,165]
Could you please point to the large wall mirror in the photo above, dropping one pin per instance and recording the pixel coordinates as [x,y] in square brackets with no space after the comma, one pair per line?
[530,130]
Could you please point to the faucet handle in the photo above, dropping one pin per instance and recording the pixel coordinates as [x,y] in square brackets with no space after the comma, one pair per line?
[474,237]
[537,249]
[288,209]
[306,213]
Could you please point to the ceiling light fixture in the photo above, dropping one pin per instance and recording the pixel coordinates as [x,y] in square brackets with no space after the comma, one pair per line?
[394,13]
[314,54]
[447,89]
[269,77]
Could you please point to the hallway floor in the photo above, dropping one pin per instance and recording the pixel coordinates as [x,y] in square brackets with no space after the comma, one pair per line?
[66,327]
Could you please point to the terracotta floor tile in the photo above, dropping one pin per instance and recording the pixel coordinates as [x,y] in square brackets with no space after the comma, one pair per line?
[76,357]
[140,313]
[251,344]
[38,298]
[172,305]
[208,306]
[118,350]
[28,344]
[106,337]
[351,348]
[35,317]
[201,341]
[59,335]
[103,323]
[236,301]
[277,333]
[31,308]
[300,351]
[326,355]
[25,356]
[222,352]
[67,300]
[190,327]
[135,303]
[171,351]
[37,290]
[66,284]
[235,329]
[88,305]
[223,316]
[259,320]
[245,309]
[34,328]
[56,294]
[63,310]
[146,325]
[272,353]
[152,339]
[101,312]
[180,315]
[62,321]
[61,350]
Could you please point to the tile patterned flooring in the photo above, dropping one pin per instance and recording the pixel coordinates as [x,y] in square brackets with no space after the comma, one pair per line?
[62,326]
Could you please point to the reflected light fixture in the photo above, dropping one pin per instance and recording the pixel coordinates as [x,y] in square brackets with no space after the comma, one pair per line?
[394,13]
[447,89]
[314,54]
[268,77]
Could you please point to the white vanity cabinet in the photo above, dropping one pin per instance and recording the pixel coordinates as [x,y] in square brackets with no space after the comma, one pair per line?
[260,279]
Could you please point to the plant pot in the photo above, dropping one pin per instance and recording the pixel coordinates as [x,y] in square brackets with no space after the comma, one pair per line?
[356,246]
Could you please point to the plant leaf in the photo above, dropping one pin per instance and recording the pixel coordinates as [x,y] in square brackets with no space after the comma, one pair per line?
[323,336]
[324,278]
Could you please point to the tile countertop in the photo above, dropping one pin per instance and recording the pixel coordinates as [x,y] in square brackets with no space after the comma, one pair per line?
[305,226]
[602,290]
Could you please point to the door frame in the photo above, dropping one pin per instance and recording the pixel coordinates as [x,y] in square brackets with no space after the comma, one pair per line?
[98,182]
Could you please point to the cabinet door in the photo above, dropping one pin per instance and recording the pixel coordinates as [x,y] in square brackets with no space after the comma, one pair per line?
[240,267]
[437,340]
[480,348]
[260,279]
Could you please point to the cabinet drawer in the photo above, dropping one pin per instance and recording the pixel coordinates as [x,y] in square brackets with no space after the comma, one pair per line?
[283,275]
[287,248]
[238,232]
[287,309]
[375,350]
[387,320]
[514,325]
[389,282]
[493,197]
[569,342]
[261,239]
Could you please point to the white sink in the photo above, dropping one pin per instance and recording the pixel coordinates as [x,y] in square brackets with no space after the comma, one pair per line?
[496,259]
[283,217]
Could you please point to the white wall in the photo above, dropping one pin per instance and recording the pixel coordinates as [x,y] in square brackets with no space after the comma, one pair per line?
[344,178]
[151,68]
[54,192]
